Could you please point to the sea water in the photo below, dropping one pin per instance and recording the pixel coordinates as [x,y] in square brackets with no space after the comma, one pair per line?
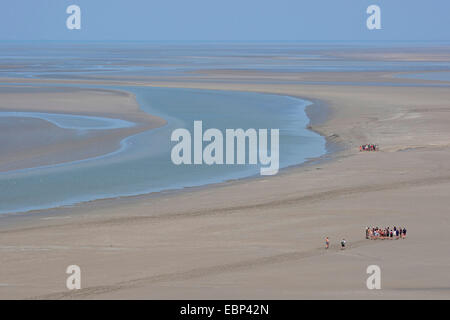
[143,163]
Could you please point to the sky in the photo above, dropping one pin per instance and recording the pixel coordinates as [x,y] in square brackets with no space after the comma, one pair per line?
[226,20]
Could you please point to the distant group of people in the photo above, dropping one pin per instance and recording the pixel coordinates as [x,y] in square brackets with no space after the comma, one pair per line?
[386,233]
[368,147]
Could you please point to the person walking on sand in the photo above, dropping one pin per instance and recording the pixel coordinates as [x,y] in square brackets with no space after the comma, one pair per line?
[343,242]
[327,243]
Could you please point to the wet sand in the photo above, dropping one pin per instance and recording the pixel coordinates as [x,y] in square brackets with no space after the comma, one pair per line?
[29,142]
[264,237]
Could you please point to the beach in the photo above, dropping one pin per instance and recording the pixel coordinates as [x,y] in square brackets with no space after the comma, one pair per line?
[263,237]
[33,142]
[141,163]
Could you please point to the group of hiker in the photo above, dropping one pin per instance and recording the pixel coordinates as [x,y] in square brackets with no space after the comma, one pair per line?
[386,233]
[368,147]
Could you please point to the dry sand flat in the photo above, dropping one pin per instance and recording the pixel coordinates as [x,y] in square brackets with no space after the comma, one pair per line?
[264,237]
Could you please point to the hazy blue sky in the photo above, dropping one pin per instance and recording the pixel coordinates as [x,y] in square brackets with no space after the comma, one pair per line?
[224,20]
